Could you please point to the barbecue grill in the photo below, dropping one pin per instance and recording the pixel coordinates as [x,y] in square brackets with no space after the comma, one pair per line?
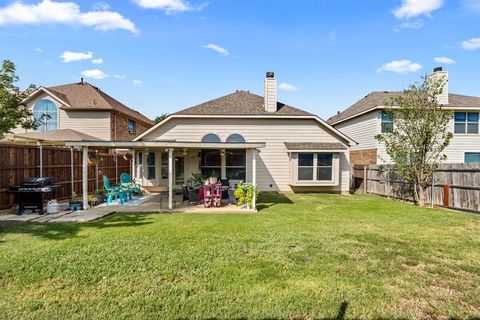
[33,193]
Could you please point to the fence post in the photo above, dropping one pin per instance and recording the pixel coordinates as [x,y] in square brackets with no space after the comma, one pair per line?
[446,195]
[364,179]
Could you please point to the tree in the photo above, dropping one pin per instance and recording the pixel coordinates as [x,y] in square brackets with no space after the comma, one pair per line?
[161,117]
[13,113]
[419,134]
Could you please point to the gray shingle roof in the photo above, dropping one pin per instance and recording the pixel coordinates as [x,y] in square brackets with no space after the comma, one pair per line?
[241,103]
[87,97]
[58,135]
[314,146]
[378,98]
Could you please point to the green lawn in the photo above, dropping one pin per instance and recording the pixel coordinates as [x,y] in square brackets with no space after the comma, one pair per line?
[305,256]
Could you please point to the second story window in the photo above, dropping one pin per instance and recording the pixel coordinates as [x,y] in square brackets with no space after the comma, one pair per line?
[466,122]
[387,122]
[132,127]
[45,114]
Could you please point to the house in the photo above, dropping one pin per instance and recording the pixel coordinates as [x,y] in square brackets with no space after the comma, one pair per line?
[365,119]
[84,108]
[242,137]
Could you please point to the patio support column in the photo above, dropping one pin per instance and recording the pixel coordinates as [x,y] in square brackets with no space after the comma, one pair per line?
[72,174]
[85,178]
[254,178]
[41,159]
[170,178]
[134,172]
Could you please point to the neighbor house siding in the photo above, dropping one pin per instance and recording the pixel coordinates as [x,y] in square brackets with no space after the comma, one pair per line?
[460,144]
[94,123]
[274,165]
[362,129]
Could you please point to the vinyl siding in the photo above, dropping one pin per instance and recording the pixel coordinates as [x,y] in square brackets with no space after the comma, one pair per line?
[460,144]
[274,166]
[362,129]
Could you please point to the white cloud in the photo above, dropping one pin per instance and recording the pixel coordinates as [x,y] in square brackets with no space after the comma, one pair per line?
[444,60]
[69,13]
[97,61]
[400,66]
[119,76]
[137,82]
[410,25]
[70,56]
[170,6]
[39,50]
[94,74]
[471,44]
[415,8]
[288,87]
[218,49]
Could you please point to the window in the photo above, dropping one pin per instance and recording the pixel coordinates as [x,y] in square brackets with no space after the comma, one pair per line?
[466,122]
[132,127]
[236,164]
[387,122]
[211,163]
[315,167]
[139,163]
[45,114]
[151,166]
[211,138]
[164,166]
[472,157]
[235,138]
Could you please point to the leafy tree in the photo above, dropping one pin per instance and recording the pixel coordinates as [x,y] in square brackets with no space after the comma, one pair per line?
[161,117]
[13,113]
[419,134]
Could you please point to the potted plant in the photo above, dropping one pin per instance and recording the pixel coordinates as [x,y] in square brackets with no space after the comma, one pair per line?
[213,178]
[94,159]
[74,204]
[99,195]
[244,194]
[197,179]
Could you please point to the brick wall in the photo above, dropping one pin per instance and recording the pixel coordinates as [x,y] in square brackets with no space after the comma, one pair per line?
[368,156]
[119,128]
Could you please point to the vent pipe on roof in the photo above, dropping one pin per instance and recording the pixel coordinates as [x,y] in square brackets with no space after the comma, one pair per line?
[81,80]
[440,75]
[270,96]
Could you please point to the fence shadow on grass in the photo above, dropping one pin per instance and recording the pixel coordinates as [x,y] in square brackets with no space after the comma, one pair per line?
[269,199]
[61,231]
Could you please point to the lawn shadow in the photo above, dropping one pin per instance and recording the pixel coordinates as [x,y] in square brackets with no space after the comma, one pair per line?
[65,230]
[269,199]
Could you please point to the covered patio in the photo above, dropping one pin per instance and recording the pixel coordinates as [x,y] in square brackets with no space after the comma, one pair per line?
[161,167]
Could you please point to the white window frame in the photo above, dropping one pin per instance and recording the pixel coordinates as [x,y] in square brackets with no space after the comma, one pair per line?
[335,169]
[466,123]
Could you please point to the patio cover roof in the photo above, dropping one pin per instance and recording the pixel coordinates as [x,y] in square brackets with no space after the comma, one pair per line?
[56,136]
[165,144]
[314,146]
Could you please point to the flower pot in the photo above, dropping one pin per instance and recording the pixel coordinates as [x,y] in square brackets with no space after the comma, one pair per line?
[213,180]
[75,205]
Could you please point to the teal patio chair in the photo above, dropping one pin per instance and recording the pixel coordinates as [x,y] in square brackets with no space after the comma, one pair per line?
[127,183]
[113,193]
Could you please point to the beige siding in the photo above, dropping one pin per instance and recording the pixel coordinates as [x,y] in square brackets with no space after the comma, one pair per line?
[460,144]
[273,162]
[362,129]
[95,123]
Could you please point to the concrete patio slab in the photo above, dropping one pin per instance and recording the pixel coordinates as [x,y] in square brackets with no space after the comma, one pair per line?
[21,218]
[82,216]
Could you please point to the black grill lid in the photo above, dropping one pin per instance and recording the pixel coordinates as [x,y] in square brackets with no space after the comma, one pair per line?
[37,182]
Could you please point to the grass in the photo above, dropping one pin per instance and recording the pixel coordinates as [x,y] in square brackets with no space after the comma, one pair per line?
[302,256]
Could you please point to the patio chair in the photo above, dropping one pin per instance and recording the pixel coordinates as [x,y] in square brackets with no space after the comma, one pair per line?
[113,193]
[127,183]
[190,194]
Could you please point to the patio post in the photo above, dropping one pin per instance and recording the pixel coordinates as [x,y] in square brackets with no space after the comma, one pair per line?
[170,178]
[134,173]
[254,178]
[72,187]
[41,159]
[85,178]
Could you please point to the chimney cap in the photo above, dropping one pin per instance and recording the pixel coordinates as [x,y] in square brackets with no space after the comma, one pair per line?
[437,69]
[270,74]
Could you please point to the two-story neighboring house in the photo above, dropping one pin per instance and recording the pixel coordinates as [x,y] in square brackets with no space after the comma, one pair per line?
[85,108]
[365,119]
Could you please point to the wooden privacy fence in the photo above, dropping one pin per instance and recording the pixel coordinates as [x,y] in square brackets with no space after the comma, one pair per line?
[455,185]
[18,162]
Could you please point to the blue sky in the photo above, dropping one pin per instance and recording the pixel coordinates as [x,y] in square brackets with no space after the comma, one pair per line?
[159,56]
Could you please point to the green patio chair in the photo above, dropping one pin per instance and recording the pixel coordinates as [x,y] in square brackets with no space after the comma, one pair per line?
[127,183]
[113,193]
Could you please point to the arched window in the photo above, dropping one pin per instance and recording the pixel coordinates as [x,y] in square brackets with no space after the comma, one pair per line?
[211,138]
[45,113]
[235,138]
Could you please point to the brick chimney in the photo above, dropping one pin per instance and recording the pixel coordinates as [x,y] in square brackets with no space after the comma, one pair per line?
[438,73]
[270,97]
